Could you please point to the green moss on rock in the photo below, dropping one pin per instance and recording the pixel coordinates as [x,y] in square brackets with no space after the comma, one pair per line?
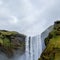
[11,41]
[52,42]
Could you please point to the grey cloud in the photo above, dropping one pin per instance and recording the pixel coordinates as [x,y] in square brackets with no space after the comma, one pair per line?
[33,16]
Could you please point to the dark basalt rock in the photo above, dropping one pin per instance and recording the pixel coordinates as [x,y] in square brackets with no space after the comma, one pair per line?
[11,41]
[52,42]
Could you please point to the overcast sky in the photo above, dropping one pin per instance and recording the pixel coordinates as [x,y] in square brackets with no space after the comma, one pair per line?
[30,17]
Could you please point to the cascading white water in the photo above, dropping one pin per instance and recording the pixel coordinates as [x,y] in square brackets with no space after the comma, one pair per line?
[27,48]
[30,49]
[36,47]
[33,47]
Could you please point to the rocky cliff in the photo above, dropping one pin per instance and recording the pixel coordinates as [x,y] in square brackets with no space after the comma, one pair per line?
[11,42]
[44,35]
[52,42]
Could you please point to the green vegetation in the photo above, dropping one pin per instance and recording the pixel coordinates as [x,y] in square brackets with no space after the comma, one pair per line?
[52,42]
[11,41]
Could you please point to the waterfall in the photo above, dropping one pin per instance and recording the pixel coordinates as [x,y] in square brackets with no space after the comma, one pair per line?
[36,47]
[33,47]
[27,48]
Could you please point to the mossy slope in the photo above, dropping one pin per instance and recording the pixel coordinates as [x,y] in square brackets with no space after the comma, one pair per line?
[52,42]
[11,41]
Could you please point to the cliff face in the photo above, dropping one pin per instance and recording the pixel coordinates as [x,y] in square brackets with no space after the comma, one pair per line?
[44,35]
[11,41]
[52,42]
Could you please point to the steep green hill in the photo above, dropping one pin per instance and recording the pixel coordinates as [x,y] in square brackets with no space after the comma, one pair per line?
[52,42]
